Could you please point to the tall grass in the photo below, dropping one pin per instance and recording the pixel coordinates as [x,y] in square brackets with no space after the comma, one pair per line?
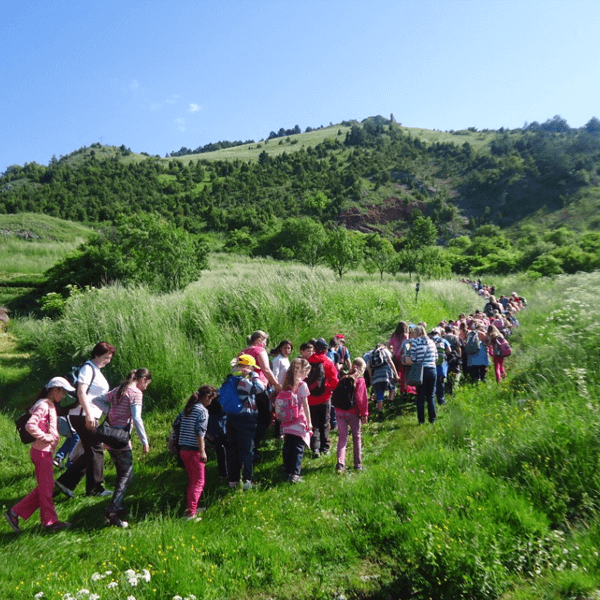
[189,337]
[31,258]
[499,499]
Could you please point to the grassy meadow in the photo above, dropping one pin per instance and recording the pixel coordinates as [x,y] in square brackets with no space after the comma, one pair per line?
[498,500]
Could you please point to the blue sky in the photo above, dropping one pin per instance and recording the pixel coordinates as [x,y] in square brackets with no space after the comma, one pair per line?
[159,75]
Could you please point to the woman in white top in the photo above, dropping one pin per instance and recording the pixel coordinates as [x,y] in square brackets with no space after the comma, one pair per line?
[84,419]
[281,360]
[280,366]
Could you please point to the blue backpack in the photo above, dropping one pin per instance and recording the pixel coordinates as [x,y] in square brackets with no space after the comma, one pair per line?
[228,396]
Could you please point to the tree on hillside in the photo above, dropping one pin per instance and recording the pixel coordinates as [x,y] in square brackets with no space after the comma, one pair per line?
[302,239]
[142,249]
[343,250]
[422,233]
[378,254]
[593,125]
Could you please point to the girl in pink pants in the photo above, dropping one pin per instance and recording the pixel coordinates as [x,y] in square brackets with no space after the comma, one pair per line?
[42,426]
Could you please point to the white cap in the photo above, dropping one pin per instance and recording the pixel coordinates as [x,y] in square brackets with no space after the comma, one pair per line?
[60,382]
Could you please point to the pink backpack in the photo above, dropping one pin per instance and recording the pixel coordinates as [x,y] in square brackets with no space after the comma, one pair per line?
[287,408]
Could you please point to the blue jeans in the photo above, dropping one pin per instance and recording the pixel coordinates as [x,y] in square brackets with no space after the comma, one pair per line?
[293,451]
[67,447]
[241,429]
[425,394]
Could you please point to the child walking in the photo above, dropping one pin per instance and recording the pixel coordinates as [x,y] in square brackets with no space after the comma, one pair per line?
[42,426]
[353,417]
[194,420]
[291,407]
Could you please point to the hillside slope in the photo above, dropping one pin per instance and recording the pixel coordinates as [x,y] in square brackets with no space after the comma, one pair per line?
[376,175]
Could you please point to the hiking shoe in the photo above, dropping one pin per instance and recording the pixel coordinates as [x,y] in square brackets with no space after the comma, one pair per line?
[233,484]
[113,519]
[64,489]
[358,468]
[101,493]
[340,468]
[13,520]
[295,479]
[58,526]
[316,454]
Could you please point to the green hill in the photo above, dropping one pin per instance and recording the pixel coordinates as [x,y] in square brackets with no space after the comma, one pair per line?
[373,177]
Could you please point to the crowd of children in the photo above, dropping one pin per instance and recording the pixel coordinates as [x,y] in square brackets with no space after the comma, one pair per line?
[306,398]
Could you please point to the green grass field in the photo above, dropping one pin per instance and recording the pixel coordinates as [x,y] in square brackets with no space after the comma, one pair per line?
[498,500]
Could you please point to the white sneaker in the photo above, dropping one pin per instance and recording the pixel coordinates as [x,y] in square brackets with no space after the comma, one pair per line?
[105,493]
[247,485]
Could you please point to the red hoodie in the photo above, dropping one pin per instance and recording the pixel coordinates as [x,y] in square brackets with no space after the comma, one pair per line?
[331,378]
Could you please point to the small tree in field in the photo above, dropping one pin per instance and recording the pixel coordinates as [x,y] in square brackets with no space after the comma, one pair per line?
[142,249]
[343,251]
[379,252]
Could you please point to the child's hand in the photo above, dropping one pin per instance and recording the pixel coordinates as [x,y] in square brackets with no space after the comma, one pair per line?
[203,457]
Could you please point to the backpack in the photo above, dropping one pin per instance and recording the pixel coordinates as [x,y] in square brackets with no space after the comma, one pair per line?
[502,349]
[316,379]
[378,358]
[343,394]
[286,407]
[473,343]
[441,351]
[20,423]
[228,396]
[70,401]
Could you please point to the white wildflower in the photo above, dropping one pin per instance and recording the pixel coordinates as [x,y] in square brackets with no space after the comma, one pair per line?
[177,597]
[94,596]
[130,598]
[39,595]
[112,584]
[97,576]
[145,575]
[83,592]
[130,573]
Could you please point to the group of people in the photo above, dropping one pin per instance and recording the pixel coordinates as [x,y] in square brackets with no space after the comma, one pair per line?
[122,406]
[306,398]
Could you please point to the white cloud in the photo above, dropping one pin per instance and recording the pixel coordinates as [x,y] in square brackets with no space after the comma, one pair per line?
[194,107]
[134,85]
[172,99]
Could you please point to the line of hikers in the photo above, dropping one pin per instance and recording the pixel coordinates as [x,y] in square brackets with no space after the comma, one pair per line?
[306,398]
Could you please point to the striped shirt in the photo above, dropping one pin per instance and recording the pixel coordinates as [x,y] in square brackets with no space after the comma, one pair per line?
[424,351]
[193,426]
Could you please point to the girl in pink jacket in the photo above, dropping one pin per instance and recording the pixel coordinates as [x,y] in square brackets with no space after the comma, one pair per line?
[42,426]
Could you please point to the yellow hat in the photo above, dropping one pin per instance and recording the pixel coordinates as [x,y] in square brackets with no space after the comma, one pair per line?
[246,359]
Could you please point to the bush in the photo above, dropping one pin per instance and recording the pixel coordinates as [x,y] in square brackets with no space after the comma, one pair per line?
[143,249]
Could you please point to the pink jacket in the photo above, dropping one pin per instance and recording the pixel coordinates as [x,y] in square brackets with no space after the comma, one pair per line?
[42,426]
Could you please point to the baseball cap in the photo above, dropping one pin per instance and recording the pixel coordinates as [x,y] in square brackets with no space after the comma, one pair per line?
[60,382]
